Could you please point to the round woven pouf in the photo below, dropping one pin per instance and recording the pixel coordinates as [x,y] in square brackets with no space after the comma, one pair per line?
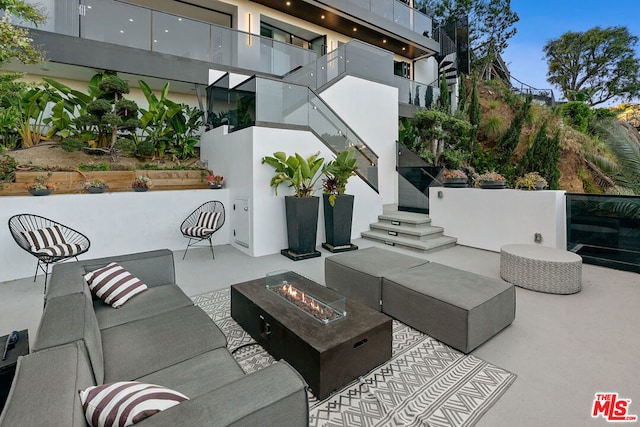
[541,268]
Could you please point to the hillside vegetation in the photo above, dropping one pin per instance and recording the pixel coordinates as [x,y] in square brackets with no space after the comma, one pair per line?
[499,106]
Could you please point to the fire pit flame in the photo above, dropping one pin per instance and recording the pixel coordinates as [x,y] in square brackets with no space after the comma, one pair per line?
[306,303]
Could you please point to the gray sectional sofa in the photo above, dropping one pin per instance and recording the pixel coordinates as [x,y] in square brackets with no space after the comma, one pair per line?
[157,337]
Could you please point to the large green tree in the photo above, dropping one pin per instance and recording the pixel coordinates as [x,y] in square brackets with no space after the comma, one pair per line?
[491,25]
[594,66]
[15,44]
[15,41]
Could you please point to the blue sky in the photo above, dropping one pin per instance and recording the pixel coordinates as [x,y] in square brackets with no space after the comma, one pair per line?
[544,20]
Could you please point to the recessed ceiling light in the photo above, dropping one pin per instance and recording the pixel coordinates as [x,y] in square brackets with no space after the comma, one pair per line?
[321,16]
[179,19]
[130,19]
[384,40]
[403,48]
[288,3]
[355,29]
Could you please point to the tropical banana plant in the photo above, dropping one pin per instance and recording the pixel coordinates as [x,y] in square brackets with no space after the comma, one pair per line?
[171,127]
[32,104]
[301,173]
[338,172]
[72,105]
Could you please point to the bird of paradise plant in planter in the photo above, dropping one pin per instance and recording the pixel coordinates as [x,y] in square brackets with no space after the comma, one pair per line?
[41,186]
[95,186]
[491,180]
[302,207]
[338,206]
[141,183]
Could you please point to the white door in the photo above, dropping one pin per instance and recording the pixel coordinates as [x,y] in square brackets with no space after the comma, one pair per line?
[241,234]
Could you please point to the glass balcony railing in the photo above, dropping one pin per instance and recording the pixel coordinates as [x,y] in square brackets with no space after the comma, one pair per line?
[273,102]
[416,93]
[355,58]
[398,12]
[605,229]
[143,28]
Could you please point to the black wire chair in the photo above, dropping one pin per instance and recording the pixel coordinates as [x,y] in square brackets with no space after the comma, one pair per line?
[20,225]
[197,229]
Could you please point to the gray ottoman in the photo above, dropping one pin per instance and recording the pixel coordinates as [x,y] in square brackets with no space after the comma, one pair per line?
[358,275]
[459,308]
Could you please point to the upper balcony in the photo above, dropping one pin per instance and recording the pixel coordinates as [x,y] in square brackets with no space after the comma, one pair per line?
[389,24]
[148,35]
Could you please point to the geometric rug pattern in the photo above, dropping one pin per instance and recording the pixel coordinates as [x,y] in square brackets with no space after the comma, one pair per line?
[425,383]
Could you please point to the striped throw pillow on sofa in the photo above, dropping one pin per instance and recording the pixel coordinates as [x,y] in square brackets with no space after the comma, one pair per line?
[114,285]
[126,403]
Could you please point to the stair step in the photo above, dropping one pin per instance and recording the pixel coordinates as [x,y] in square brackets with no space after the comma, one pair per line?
[411,232]
[428,245]
[408,219]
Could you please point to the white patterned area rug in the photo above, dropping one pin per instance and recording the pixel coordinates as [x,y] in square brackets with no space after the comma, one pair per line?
[425,383]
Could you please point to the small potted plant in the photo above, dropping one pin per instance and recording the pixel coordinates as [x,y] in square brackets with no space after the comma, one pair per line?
[531,181]
[141,183]
[491,180]
[41,186]
[95,186]
[454,178]
[215,181]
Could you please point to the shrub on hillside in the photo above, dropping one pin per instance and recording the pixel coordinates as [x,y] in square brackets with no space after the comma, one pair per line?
[71,144]
[576,114]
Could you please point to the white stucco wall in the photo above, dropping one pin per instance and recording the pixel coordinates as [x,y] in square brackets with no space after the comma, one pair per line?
[115,223]
[371,110]
[489,219]
[425,70]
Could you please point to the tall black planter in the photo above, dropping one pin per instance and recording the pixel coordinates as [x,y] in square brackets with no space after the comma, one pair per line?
[337,223]
[302,224]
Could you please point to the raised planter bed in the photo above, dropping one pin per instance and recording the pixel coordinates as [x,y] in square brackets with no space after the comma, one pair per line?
[71,182]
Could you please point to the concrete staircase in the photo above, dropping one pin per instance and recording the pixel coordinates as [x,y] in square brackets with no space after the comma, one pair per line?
[409,230]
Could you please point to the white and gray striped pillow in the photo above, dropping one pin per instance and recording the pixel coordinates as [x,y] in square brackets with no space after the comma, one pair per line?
[44,237]
[126,403]
[197,231]
[206,224]
[114,285]
[208,220]
[50,241]
[63,249]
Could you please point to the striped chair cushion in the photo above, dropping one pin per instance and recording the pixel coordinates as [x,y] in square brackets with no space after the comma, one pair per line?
[126,403]
[197,231]
[63,249]
[208,220]
[114,285]
[44,237]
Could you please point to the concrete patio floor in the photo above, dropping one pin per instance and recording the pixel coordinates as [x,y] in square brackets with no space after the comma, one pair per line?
[563,348]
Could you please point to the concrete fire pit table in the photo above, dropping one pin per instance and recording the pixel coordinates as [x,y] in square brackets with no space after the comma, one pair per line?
[541,268]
